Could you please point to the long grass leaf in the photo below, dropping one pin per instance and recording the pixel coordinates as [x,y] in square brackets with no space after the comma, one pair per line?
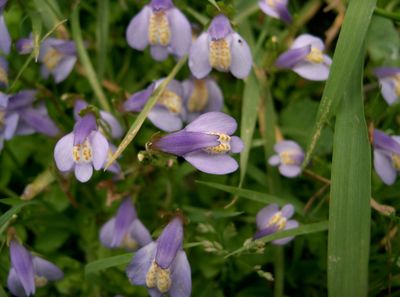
[102,38]
[7,216]
[106,263]
[349,45]
[350,211]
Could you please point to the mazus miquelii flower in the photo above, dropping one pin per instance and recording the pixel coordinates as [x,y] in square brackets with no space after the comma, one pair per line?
[389,80]
[3,73]
[5,38]
[289,157]
[276,9]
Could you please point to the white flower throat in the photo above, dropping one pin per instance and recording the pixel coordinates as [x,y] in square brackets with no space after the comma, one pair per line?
[171,101]
[3,76]
[315,56]
[158,277]
[220,55]
[396,161]
[278,220]
[82,153]
[159,30]
[396,79]
[199,97]
[224,145]
[288,157]
[52,58]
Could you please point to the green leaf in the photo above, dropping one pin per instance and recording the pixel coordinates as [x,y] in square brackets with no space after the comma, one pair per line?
[85,60]
[350,211]
[255,196]
[250,105]
[102,40]
[134,129]
[106,263]
[301,230]
[7,216]
[349,46]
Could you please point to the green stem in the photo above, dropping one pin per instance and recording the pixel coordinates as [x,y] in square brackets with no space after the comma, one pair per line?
[387,14]
[279,263]
[85,60]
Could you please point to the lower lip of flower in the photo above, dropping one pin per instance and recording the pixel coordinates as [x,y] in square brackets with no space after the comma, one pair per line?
[287,158]
[159,30]
[220,55]
[40,281]
[171,101]
[315,56]
[224,144]
[199,98]
[82,153]
[158,277]
[129,243]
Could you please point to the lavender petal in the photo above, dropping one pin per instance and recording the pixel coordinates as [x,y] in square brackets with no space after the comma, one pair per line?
[181,32]
[287,211]
[289,170]
[63,153]
[199,63]
[124,218]
[220,27]
[169,243]
[137,101]
[265,214]
[14,284]
[46,269]
[237,144]
[139,233]
[213,122]
[21,100]
[100,148]
[312,71]
[385,142]
[83,172]
[141,262]
[388,90]
[292,57]
[138,29]
[107,233]
[5,38]
[64,68]
[21,261]
[212,164]
[274,160]
[115,127]
[11,124]
[241,58]
[40,122]
[181,277]
[291,224]
[159,53]
[84,127]
[382,72]
[283,13]
[384,168]
[307,39]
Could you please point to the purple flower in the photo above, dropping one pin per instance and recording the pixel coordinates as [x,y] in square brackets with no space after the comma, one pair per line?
[389,79]
[5,39]
[201,96]
[125,229]
[289,156]
[8,122]
[205,143]
[220,48]
[58,58]
[306,58]
[3,72]
[164,27]
[270,220]
[168,113]
[162,266]
[386,156]
[28,272]
[110,122]
[25,45]
[82,149]
[276,9]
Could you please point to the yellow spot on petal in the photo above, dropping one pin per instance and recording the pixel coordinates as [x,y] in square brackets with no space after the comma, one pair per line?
[220,55]
[315,56]
[396,161]
[82,153]
[40,281]
[224,144]
[129,243]
[52,58]
[3,76]
[171,101]
[397,84]
[2,115]
[159,278]
[278,220]
[159,30]
[288,157]
[199,98]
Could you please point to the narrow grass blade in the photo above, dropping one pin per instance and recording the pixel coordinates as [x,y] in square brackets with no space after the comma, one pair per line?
[349,45]
[7,216]
[254,196]
[302,230]
[251,100]
[350,211]
[50,19]
[85,60]
[102,37]
[134,129]
[102,264]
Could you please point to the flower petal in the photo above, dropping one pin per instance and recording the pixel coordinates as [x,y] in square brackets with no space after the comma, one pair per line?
[21,99]
[291,224]
[289,170]
[266,231]
[265,214]
[307,39]
[100,148]
[292,57]
[83,127]
[5,39]
[63,153]
[274,160]
[182,142]
[115,127]
[64,68]
[181,277]
[137,33]
[83,172]
[10,123]
[155,293]
[181,32]
[386,142]
[139,233]
[158,52]
[141,262]
[199,63]
[237,144]
[312,71]
[216,122]
[220,27]
[241,58]
[107,232]
[287,145]
[384,168]
[39,121]
[137,101]
[283,12]
[213,164]
[215,96]
[388,89]
[14,284]
[268,9]
[124,218]
[169,243]
[287,211]
[46,269]
[21,261]
[382,72]
[164,119]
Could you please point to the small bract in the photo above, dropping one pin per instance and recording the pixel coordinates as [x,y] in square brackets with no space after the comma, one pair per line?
[306,58]
[289,156]
[220,48]
[205,143]
[29,272]
[162,26]
[271,219]
[389,80]
[162,266]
